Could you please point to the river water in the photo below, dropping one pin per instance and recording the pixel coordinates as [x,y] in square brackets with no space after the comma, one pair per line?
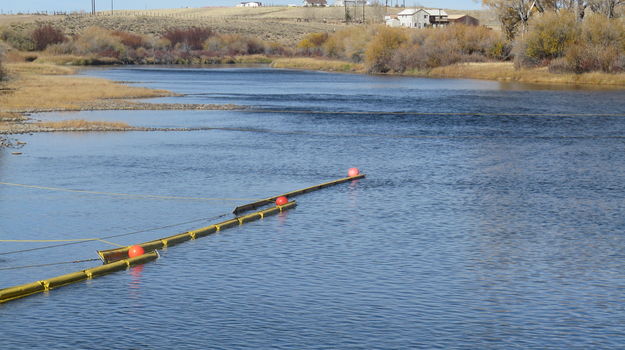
[491,217]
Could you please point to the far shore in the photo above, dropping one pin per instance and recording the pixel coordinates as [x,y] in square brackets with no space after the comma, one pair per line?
[57,89]
[496,71]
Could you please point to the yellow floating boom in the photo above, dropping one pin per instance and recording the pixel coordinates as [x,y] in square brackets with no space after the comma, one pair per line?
[260,203]
[117,259]
[12,293]
[111,255]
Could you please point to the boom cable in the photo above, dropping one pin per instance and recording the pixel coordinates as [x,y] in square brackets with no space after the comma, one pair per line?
[84,240]
[148,196]
[50,264]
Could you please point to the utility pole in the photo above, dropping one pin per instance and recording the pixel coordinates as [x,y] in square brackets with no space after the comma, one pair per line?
[364,3]
[93,7]
[111,7]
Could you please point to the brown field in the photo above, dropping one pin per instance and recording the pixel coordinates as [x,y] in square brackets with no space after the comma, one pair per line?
[6,20]
[286,25]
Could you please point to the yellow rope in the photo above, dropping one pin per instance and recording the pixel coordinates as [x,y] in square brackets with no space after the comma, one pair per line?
[149,196]
[111,243]
[66,242]
[58,240]
[47,240]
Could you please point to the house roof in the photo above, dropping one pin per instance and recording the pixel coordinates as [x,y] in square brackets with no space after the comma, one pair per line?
[431,12]
[408,12]
[435,12]
[457,16]
[316,2]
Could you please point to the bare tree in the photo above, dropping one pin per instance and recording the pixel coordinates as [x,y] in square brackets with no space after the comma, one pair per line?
[576,6]
[606,7]
[514,14]
[377,11]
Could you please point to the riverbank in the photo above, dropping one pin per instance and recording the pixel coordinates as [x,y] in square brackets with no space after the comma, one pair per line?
[36,88]
[498,71]
[58,89]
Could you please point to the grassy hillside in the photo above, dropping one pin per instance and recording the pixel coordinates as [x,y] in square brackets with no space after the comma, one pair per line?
[286,25]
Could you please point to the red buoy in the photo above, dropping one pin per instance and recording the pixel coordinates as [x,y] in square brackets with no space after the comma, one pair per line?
[135,251]
[353,172]
[282,200]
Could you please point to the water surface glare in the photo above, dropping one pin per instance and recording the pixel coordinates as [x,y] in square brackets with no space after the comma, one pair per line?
[499,226]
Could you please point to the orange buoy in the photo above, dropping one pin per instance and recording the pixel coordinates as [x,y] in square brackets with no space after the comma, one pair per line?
[135,251]
[353,172]
[282,200]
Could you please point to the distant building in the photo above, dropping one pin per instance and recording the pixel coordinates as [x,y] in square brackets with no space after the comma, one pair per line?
[250,4]
[315,3]
[392,21]
[350,2]
[422,18]
[463,19]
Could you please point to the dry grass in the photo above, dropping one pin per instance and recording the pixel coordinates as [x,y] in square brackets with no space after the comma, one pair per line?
[243,59]
[75,60]
[39,69]
[11,117]
[81,124]
[504,71]
[32,91]
[11,19]
[318,64]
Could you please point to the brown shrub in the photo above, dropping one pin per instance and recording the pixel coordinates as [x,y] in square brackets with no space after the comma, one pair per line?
[189,38]
[312,43]
[435,47]
[233,44]
[277,49]
[2,72]
[599,46]
[129,39]
[46,35]
[348,44]
[99,41]
[381,48]
[18,37]
[406,57]
[548,37]
[598,30]
[584,57]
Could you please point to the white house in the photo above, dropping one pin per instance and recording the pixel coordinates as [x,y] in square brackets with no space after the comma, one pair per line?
[250,4]
[392,21]
[422,18]
[315,3]
[438,18]
[413,18]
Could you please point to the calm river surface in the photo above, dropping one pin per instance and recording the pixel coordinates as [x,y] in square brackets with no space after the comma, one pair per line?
[492,217]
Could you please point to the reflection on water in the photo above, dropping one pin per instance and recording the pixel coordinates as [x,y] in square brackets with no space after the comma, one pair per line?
[470,231]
